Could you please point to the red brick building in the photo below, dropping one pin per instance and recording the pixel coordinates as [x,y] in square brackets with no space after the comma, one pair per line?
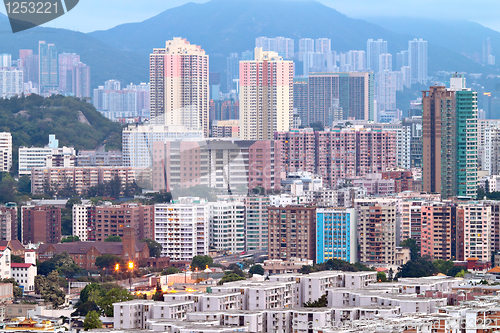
[41,224]
[403,180]
[85,253]
[107,220]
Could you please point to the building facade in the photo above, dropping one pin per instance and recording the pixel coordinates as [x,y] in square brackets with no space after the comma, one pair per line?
[377,221]
[41,224]
[182,228]
[179,87]
[266,96]
[5,151]
[336,234]
[292,232]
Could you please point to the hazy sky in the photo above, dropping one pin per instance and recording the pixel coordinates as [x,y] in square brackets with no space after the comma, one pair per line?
[91,15]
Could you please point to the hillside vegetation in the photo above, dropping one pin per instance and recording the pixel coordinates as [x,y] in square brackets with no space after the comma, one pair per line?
[75,123]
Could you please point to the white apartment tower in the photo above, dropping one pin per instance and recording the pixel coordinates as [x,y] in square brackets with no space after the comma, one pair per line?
[417,59]
[5,151]
[227,226]
[179,87]
[182,228]
[374,48]
[80,221]
[266,96]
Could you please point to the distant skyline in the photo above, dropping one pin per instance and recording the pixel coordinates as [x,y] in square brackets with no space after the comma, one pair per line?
[92,15]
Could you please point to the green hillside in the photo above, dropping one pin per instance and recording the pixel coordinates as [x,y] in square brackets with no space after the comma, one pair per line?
[75,123]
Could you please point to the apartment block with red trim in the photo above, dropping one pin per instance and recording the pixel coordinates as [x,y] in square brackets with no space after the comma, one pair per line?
[179,86]
[439,229]
[338,153]
[297,149]
[266,96]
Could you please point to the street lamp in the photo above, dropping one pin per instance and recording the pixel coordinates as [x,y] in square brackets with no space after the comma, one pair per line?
[131,268]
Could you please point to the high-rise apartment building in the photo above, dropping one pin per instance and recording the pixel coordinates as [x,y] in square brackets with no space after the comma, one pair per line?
[336,234]
[385,62]
[417,60]
[323,45]
[181,228]
[353,91]
[5,60]
[281,45]
[233,71]
[11,208]
[5,151]
[256,220]
[5,225]
[374,48]
[305,45]
[80,80]
[301,99]
[337,153]
[487,57]
[111,220]
[48,67]
[401,59]
[297,150]
[474,232]
[179,86]
[266,96]
[377,221]
[41,224]
[413,129]
[227,226]
[292,232]
[80,216]
[66,63]
[439,229]
[450,140]
[11,82]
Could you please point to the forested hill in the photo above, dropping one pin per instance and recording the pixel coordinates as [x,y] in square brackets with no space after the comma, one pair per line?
[75,123]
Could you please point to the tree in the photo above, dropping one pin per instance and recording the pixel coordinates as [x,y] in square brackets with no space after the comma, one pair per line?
[16,259]
[417,268]
[236,269]
[24,185]
[381,277]
[46,267]
[48,288]
[454,271]
[319,303]
[230,277]
[73,201]
[113,238]
[70,239]
[108,261]
[113,296]
[201,262]
[461,273]
[256,269]
[92,321]
[443,266]
[413,246]
[154,247]
[171,270]
[65,265]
